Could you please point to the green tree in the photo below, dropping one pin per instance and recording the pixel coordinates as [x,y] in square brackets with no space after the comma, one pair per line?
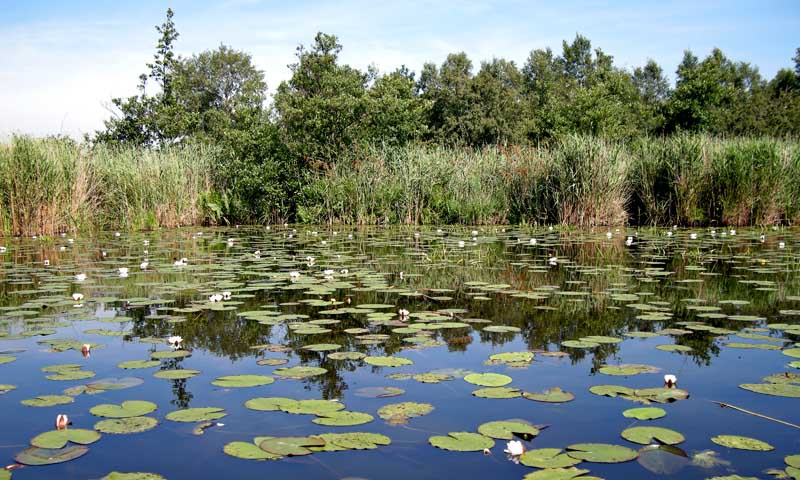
[396,115]
[448,90]
[653,88]
[496,108]
[320,109]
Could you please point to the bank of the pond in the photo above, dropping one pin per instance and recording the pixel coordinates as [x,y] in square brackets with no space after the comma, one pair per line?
[55,185]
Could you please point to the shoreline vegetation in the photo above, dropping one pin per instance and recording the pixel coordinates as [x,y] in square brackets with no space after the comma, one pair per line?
[565,138]
[57,185]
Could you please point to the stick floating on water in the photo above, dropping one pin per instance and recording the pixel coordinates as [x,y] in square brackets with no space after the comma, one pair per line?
[728,405]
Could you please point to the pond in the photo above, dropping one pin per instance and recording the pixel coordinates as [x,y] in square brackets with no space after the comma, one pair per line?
[392,353]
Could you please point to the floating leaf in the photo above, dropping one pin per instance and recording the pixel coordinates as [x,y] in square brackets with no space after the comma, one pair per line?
[165,354]
[551,395]
[601,453]
[134,364]
[461,442]
[650,413]
[351,441]
[497,392]
[346,356]
[132,476]
[268,404]
[776,389]
[46,456]
[505,430]
[126,425]
[129,408]
[627,369]
[557,474]
[662,459]
[48,400]
[6,359]
[343,419]
[379,392]
[241,381]
[388,361]
[120,383]
[648,435]
[290,446]
[579,344]
[299,372]
[248,451]
[176,374]
[57,439]
[488,379]
[200,414]
[742,443]
[400,413]
[547,458]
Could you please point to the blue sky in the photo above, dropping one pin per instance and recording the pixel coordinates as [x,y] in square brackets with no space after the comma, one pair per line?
[64,60]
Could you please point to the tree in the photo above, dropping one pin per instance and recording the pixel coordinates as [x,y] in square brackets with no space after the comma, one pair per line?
[395,113]
[653,89]
[496,109]
[447,88]
[320,110]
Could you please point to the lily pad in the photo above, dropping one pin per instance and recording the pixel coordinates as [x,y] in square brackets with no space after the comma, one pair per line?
[379,392]
[488,379]
[776,389]
[351,441]
[291,446]
[299,372]
[126,425]
[248,451]
[547,458]
[497,392]
[268,404]
[601,453]
[47,456]
[742,443]
[130,408]
[579,344]
[311,407]
[400,413]
[662,459]
[199,414]
[505,430]
[48,400]
[56,439]
[627,369]
[241,381]
[381,361]
[461,442]
[649,435]
[558,474]
[135,364]
[551,395]
[132,476]
[343,419]
[180,374]
[645,413]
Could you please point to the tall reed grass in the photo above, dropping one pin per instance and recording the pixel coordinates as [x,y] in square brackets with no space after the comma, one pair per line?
[576,180]
[53,185]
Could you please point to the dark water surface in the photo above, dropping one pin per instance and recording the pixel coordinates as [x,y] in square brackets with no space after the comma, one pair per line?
[594,286]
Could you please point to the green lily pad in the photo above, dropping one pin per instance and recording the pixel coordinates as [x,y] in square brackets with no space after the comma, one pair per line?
[558,474]
[648,435]
[56,439]
[346,356]
[742,443]
[165,354]
[601,453]
[792,461]
[627,369]
[662,459]
[271,362]
[117,383]
[241,381]
[551,395]
[132,476]
[5,388]
[579,344]
[672,347]
[48,400]
[311,407]
[505,430]
[646,413]
[130,408]
[126,425]
[488,379]
[351,441]
[343,419]
[290,446]
[380,361]
[547,458]
[498,392]
[510,358]
[200,414]
[431,377]
[47,456]
[134,364]
[322,347]
[792,352]
[461,442]
[269,404]
[248,451]
[611,390]
[776,389]
[400,413]
[7,359]
[299,372]
[180,374]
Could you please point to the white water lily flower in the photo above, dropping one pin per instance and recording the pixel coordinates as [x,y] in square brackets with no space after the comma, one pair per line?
[732,232]
[762,238]
[515,448]
[533,241]
[344,271]
[781,245]
[175,341]
[62,249]
[553,261]
[629,241]
[328,272]
[693,236]
[77,297]
[669,233]
[144,265]
[62,421]
[80,277]
[215,298]
[226,295]
[670,380]
[461,243]
[294,275]
[117,234]
[46,262]
[123,270]
[403,312]
[609,234]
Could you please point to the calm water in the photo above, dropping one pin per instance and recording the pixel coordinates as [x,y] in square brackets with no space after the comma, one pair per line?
[595,286]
